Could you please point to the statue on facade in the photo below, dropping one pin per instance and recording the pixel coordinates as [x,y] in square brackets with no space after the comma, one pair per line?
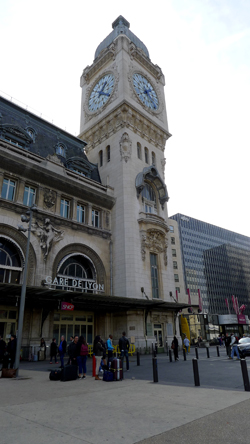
[47,234]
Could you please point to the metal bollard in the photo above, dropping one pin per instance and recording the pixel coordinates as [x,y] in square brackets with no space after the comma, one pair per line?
[170,355]
[156,349]
[245,375]
[93,365]
[196,353]
[138,358]
[184,354]
[218,351]
[208,352]
[152,349]
[155,369]
[196,373]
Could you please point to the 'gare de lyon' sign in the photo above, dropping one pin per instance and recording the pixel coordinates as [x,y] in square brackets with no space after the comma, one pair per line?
[73,283]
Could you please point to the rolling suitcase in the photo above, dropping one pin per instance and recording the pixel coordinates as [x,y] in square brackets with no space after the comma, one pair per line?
[69,373]
[116,368]
[55,375]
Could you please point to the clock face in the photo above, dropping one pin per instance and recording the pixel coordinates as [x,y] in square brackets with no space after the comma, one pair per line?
[101,92]
[145,91]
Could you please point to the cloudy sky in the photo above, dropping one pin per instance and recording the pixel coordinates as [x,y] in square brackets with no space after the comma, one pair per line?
[203,48]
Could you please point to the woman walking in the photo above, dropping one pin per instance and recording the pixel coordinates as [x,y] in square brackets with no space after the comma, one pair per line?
[175,346]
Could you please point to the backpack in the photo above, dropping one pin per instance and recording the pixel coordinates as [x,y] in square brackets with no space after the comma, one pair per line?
[84,350]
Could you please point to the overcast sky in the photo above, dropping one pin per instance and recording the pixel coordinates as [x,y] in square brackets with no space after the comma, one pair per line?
[202,47]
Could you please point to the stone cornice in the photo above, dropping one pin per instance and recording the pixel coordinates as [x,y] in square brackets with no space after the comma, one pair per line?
[125,117]
[138,55]
[104,57]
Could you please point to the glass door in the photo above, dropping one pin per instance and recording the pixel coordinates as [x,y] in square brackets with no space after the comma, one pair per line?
[158,335]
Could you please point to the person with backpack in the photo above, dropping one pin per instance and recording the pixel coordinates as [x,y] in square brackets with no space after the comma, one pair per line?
[82,351]
[124,349]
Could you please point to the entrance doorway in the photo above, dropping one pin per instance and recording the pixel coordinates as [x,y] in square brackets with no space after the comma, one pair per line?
[158,334]
[71,324]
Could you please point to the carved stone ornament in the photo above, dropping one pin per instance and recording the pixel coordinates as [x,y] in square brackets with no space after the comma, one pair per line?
[90,114]
[125,147]
[48,235]
[49,198]
[125,117]
[54,158]
[163,164]
[155,241]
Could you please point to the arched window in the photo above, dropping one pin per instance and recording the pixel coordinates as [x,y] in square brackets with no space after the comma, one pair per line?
[153,158]
[146,154]
[80,269]
[108,153]
[10,262]
[101,158]
[138,150]
[149,199]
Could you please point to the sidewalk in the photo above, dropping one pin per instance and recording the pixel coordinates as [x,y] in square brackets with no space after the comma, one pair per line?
[34,409]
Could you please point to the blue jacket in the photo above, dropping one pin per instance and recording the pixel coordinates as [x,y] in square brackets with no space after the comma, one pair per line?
[109,344]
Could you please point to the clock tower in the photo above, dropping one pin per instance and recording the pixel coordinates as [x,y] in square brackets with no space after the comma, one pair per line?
[124,122]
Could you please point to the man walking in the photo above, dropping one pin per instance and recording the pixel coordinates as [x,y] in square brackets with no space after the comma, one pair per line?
[186,343]
[234,346]
[62,350]
[124,349]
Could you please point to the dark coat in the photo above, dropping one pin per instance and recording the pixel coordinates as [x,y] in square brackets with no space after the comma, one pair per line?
[53,349]
[64,346]
[123,343]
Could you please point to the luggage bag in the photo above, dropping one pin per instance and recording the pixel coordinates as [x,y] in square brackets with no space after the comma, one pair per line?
[55,375]
[69,373]
[108,376]
[116,368]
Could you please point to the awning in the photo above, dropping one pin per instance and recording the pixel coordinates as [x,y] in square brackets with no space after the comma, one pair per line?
[41,297]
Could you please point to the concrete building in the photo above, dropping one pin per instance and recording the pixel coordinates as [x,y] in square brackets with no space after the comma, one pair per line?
[216,262]
[100,260]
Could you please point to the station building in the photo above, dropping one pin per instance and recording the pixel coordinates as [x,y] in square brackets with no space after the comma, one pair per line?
[100,260]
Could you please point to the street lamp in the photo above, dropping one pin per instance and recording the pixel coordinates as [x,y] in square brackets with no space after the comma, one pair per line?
[27,219]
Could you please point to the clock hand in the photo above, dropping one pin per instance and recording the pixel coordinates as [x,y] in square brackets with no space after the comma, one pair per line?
[103,86]
[103,94]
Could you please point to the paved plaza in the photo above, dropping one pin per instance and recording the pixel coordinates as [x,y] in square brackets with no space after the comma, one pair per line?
[135,410]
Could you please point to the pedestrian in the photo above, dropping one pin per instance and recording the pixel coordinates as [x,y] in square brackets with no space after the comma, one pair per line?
[104,352]
[62,350]
[110,349]
[124,349]
[235,349]
[2,348]
[71,339]
[98,351]
[186,343]
[175,346]
[72,351]
[53,351]
[43,347]
[11,349]
[227,343]
[82,354]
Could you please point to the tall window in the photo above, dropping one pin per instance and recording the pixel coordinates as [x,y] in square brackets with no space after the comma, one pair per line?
[8,189]
[146,155]
[171,228]
[149,199]
[154,275]
[80,213]
[173,252]
[101,158]
[96,218]
[64,210]
[172,240]
[29,196]
[153,158]
[138,150]
[175,265]
[108,153]
[176,278]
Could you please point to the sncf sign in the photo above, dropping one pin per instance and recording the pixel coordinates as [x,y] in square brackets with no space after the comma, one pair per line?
[67,306]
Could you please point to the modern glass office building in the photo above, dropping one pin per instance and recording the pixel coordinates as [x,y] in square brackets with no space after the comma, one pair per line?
[217,262]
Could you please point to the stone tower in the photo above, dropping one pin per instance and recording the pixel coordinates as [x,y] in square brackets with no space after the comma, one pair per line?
[124,122]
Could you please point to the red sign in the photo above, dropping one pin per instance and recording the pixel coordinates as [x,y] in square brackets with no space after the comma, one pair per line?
[67,306]
[241,319]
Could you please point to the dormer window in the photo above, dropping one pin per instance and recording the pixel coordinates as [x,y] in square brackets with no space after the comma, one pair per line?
[61,150]
[31,132]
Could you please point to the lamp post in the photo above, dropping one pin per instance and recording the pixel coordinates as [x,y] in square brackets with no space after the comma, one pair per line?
[27,219]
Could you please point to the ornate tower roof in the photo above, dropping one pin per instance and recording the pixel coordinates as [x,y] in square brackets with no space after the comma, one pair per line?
[121,26]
